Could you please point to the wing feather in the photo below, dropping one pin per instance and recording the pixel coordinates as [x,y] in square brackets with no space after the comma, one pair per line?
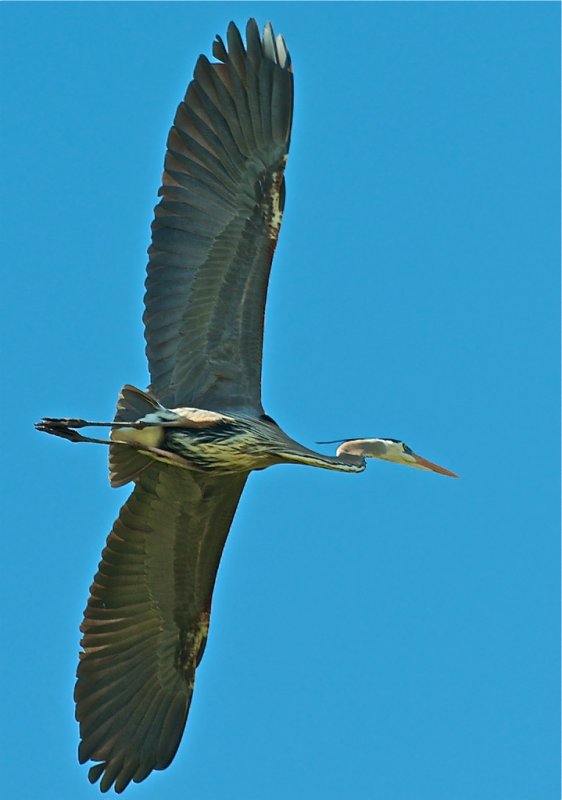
[146,621]
[216,227]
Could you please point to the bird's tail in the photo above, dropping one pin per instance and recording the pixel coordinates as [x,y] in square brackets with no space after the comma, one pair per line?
[126,463]
[134,404]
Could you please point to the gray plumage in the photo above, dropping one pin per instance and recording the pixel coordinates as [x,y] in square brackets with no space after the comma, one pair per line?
[213,239]
[215,229]
[189,444]
[146,623]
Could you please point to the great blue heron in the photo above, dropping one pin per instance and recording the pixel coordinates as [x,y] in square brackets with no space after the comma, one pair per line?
[190,442]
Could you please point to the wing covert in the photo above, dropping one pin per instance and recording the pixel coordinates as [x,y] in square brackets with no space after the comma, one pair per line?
[216,227]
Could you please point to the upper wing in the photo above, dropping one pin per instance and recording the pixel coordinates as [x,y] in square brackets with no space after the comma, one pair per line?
[147,618]
[216,227]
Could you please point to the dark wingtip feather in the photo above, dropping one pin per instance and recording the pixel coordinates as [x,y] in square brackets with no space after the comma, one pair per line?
[143,771]
[235,41]
[253,43]
[172,728]
[95,772]
[219,50]
[111,775]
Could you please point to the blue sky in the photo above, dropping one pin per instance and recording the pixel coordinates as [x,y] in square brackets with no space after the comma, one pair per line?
[389,635]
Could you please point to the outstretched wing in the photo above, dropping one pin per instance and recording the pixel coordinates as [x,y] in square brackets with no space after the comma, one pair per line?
[216,227]
[147,618]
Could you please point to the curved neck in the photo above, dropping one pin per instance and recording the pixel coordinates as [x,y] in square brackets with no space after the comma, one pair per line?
[295,453]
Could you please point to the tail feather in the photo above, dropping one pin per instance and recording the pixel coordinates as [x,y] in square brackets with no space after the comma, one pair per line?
[125,462]
[133,404]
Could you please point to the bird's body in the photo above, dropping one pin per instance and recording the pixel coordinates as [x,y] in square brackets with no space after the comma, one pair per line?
[245,444]
[190,442]
[219,444]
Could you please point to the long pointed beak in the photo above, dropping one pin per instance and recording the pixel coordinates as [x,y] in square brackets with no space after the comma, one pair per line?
[425,464]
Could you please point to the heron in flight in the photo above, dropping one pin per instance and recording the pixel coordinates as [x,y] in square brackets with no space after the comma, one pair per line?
[189,443]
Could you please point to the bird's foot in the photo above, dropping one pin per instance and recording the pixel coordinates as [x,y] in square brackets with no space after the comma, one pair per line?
[63,423]
[61,427]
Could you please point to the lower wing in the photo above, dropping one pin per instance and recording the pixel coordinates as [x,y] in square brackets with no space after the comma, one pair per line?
[147,618]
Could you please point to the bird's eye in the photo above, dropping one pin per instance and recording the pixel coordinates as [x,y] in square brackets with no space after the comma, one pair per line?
[407,449]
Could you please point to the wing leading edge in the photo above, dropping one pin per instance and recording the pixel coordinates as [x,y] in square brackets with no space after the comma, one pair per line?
[216,227]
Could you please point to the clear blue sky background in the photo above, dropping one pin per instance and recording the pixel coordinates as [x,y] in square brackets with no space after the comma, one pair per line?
[390,635]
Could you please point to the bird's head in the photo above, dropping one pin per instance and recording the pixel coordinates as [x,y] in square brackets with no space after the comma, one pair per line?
[389,450]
